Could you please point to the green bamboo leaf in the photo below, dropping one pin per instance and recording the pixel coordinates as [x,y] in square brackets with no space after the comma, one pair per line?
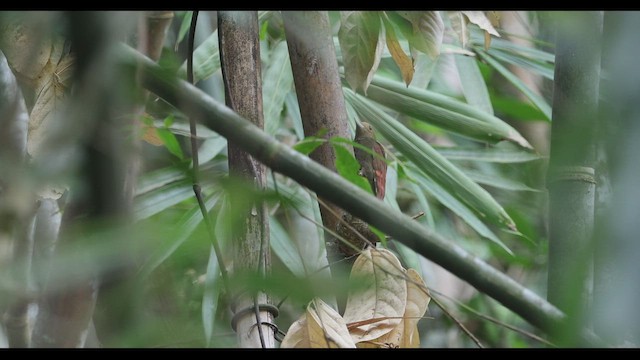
[516,49]
[308,144]
[431,162]
[391,186]
[290,192]
[293,111]
[536,99]
[159,199]
[474,87]
[443,196]
[542,68]
[184,26]
[183,128]
[497,154]
[159,178]
[156,179]
[424,204]
[427,31]
[206,59]
[210,148]
[348,167]
[286,249]
[499,182]
[211,295]
[361,49]
[187,225]
[424,70]
[277,83]
[443,111]
[517,108]
[170,142]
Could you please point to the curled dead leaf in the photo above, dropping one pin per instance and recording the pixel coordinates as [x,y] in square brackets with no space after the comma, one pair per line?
[319,327]
[382,294]
[404,62]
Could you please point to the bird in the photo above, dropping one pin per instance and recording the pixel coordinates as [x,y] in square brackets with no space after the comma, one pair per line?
[373,168]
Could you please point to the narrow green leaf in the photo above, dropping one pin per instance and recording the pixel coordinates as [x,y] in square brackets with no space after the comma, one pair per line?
[170,142]
[277,83]
[474,87]
[156,179]
[431,162]
[348,167]
[536,99]
[308,144]
[516,49]
[159,178]
[290,192]
[542,68]
[444,196]
[498,154]
[285,249]
[210,148]
[359,36]
[263,30]
[191,219]
[517,109]
[184,26]
[424,204]
[293,110]
[157,200]
[443,111]
[410,258]
[182,128]
[428,31]
[206,59]
[499,182]
[211,295]
[391,186]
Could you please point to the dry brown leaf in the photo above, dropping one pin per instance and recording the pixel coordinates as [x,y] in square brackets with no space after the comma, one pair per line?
[480,19]
[459,26]
[383,294]
[405,335]
[403,61]
[25,47]
[51,87]
[149,134]
[320,327]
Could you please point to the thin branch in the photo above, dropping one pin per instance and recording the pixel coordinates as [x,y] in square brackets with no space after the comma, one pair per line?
[197,190]
[494,320]
[458,323]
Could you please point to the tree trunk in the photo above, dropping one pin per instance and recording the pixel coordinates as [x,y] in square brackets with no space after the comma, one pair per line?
[15,221]
[322,105]
[238,33]
[570,179]
[616,286]
[117,306]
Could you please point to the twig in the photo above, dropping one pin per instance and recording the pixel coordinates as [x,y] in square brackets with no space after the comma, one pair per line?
[194,155]
[460,325]
[495,321]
